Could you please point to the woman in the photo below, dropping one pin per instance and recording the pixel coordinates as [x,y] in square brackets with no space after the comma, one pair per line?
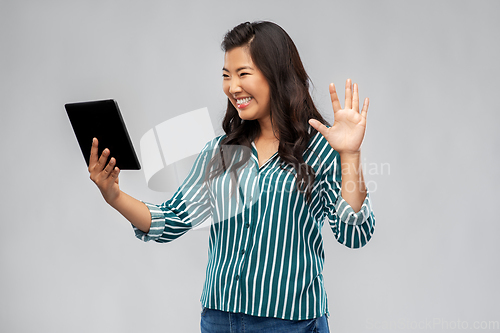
[268,184]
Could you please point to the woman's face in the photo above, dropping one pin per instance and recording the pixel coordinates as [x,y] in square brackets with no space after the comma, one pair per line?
[245,85]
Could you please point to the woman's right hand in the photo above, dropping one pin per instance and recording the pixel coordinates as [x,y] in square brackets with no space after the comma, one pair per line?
[104,176]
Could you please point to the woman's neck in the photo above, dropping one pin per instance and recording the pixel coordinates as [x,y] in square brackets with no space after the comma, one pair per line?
[267,132]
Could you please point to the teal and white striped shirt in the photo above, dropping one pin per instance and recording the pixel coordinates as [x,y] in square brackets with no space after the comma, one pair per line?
[265,255]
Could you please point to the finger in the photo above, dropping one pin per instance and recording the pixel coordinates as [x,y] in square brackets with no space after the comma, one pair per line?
[101,162]
[355,98]
[114,174]
[335,98]
[318,126]
[364,111]
[93,153]
[348,94]
[108,169]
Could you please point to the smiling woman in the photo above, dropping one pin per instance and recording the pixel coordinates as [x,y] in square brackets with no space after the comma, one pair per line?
[266,53]
[268,184]
[246,87]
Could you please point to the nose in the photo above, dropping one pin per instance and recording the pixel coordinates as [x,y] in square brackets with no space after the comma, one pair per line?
[234,86]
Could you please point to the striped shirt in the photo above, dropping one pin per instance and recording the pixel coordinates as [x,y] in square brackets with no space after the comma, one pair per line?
[265,255]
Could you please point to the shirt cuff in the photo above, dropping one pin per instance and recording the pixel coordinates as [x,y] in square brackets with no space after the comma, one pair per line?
[347,214]
[157,224]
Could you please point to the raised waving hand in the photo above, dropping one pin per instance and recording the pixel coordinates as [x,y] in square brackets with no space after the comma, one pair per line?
[348,129]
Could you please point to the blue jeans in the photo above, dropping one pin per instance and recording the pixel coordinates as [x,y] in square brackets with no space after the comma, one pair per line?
[215,321]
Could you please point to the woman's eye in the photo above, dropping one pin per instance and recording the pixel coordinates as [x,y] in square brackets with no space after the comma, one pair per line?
[241,74]
[225,75]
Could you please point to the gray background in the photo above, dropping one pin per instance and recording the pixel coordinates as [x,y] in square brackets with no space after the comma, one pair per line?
[70,263]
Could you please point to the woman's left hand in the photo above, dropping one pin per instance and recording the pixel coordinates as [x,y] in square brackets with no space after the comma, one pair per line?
[348,129]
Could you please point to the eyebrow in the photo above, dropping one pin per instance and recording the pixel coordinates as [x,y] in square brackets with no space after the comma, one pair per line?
[239,69]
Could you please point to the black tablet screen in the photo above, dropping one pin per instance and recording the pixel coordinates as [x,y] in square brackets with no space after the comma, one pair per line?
[103,120]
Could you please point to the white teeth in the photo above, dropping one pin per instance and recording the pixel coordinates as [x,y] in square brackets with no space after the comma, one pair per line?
[243,100]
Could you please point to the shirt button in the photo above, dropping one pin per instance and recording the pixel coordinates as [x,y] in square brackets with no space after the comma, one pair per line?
[247,225]
[237,277]
[242,251]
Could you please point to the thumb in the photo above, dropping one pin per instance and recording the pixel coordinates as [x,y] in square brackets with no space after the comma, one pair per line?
[318,126]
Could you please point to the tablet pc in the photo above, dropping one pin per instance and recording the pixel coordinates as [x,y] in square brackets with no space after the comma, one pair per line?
[102,120]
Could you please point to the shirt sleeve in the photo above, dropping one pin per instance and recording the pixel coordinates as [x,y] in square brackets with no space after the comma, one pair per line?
[351,229]
[189,206]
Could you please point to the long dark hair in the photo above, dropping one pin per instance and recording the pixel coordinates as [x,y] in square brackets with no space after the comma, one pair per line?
[291,105]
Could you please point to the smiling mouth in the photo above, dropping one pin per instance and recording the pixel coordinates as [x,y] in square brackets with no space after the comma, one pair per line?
[243,102]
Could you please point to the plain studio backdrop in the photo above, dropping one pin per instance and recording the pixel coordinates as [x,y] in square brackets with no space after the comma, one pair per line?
[70,263]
